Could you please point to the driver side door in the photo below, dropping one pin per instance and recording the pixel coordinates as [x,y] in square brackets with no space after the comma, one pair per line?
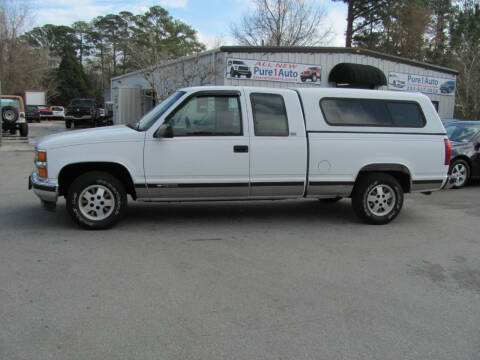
[207,157]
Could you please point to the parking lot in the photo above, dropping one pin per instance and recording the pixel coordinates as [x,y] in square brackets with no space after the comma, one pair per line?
[237,280]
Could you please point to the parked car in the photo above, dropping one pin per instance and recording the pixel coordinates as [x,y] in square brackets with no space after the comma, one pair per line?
[447,87]
[238,68]
[13,115]
[312,73]
[45,112]
[32,113]
[103,119]
[58,113]
[81,111]
[465,139]
[205,143]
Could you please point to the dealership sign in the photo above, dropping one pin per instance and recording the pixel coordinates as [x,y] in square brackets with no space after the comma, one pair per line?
[420,83]
[273,71]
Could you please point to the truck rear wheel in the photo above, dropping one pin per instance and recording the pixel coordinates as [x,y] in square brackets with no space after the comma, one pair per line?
[96,200]
[377,198]
[23,129]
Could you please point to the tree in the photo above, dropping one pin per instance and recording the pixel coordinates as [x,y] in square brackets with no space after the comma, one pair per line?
[71,78]
[21,66]
[282,23]
[362,14]
[82,29]
[441,16]
[465,47]
[158,38]
[399,30]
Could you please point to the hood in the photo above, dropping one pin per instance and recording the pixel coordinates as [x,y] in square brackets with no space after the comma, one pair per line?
[89,136]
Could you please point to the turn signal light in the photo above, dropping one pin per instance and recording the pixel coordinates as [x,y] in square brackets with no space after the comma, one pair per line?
[42,156]
[42,172]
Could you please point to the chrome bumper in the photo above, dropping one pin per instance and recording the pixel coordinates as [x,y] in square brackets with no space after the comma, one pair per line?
[45,190]
[83,117]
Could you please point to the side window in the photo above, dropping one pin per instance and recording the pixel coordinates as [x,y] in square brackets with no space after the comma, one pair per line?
[355,112]
[406,114]
[269,115]
[208,115]
[366,112]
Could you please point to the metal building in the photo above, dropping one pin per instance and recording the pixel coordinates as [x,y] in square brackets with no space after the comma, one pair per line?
[285,67]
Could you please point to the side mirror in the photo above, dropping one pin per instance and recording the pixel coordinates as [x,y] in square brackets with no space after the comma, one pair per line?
[164,131]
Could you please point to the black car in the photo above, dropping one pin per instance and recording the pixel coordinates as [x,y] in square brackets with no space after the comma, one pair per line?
[81,111]
[465,158]
[32,113]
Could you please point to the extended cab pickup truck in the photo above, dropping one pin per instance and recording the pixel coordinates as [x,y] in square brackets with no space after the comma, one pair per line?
[225,143]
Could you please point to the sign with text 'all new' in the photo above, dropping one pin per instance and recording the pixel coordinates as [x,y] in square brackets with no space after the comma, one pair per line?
[421,83]
[273,71]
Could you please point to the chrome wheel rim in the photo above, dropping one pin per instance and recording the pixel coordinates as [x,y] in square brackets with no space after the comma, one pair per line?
[96,202]
[381,200]
[459,173]
[9,115]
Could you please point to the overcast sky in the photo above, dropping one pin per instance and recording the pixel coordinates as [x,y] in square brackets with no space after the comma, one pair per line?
[211,18]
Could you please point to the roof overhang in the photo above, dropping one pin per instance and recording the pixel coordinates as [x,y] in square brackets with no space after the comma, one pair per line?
[350,73]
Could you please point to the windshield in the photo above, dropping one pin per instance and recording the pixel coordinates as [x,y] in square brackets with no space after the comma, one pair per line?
[461,133]
[148,119]
[81,103]
[10,102]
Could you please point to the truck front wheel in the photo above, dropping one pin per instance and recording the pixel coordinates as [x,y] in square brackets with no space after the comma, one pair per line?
[96,200]
[377,198]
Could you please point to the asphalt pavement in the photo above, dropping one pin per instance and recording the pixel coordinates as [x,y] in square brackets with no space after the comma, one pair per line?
[238,280]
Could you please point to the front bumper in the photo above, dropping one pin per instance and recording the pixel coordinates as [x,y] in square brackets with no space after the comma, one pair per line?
[79,118]
[45,190]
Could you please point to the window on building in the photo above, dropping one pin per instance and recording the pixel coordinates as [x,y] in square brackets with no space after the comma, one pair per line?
[269,115]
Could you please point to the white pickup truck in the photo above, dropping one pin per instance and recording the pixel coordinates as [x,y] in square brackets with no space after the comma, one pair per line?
[230,143]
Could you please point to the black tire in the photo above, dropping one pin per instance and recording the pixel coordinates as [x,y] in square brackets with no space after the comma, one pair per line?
[68,124]
[377,186]
[9,114]
[461,170]
[249,75]
[303,79]
[78,208]
[331,200]
[23,129]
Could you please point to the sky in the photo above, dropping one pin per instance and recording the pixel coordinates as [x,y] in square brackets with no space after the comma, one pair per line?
[211,18]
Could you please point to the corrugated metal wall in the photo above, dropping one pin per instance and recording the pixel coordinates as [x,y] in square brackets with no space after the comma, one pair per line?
[214,62]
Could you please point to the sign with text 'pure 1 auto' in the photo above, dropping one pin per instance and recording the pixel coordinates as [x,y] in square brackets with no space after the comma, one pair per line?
[273,71]
[421,83]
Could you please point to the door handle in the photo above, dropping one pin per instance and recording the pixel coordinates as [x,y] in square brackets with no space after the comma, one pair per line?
[240,148]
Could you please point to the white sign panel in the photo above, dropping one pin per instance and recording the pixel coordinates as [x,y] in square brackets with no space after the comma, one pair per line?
[273,71]
[420,83]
